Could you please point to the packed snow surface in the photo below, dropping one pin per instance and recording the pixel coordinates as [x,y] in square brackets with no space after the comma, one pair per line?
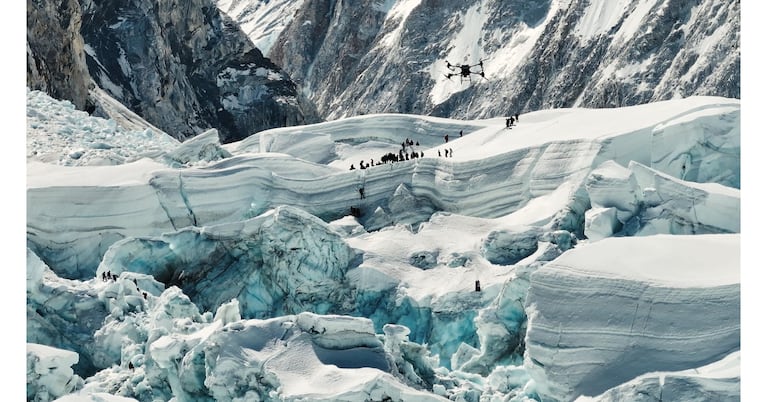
[538,262]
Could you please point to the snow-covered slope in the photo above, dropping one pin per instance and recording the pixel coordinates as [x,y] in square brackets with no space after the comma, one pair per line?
[492,173]
[59,134]
[183,67]
[373,56]
[261,20]
[186,267]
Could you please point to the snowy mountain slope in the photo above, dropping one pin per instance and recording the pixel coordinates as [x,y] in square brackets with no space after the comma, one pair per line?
[382,57]
[261,20]
[58,133]
[216,254]
[183,68]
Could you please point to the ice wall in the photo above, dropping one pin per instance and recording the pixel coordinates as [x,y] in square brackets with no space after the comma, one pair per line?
[718,381]
[72,222]
[283,262]
[674,308]
[640,201]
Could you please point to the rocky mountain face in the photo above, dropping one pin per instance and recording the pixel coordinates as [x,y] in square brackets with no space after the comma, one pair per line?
[186,66]
[389,56]
[183,66]
[261,20]
[57,67]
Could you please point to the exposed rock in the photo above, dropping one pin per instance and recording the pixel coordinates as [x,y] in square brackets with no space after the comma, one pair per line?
[57,67]
[183,67]
[369,57]
[186,68]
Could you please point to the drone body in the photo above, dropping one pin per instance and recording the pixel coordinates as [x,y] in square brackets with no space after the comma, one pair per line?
[465,70]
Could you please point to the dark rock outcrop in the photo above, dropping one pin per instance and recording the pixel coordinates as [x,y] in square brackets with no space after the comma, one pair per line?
[185,67]
[182,66]
[55,56]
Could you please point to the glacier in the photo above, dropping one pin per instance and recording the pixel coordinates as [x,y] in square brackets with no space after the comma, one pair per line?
[583,254]
[674,308]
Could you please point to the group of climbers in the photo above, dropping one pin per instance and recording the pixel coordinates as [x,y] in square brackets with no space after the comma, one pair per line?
[408,152]
[511,119]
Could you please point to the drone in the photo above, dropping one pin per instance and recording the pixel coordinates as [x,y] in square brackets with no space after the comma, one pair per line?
[465,70]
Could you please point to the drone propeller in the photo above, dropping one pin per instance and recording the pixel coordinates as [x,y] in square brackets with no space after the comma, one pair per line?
[465,70]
